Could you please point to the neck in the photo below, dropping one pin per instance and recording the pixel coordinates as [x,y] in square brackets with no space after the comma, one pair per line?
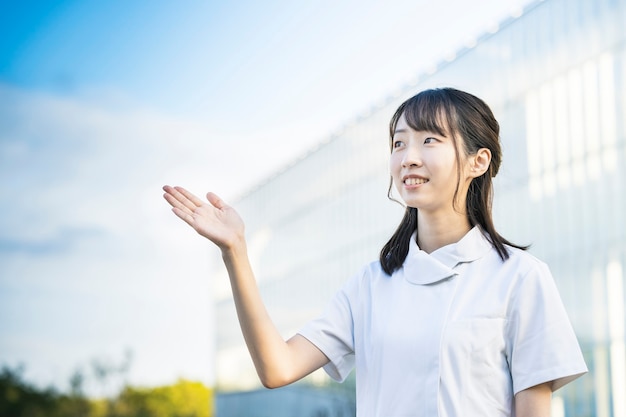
[434,232]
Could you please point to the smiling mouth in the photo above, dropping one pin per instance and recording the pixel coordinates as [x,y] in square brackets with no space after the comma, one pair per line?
[415,181]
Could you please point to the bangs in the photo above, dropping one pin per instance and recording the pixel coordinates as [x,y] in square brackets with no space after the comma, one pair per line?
[427,111]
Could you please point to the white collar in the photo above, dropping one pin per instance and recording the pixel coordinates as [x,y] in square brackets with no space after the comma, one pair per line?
[422,268]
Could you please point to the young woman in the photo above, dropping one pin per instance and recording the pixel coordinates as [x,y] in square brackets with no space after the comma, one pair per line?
[452,320]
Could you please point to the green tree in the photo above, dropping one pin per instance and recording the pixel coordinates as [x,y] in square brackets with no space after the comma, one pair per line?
[19,398]
[183,399]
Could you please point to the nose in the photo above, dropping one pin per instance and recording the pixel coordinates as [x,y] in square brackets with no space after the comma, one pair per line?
[412,157]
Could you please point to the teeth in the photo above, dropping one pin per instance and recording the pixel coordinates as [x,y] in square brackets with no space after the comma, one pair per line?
[415,181]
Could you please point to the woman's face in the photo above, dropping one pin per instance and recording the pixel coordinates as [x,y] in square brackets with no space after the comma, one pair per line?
[424,169]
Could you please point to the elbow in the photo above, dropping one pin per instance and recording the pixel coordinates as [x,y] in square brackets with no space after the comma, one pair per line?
[271,384]
[274,381]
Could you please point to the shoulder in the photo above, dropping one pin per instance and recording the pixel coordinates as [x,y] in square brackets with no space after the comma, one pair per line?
[531,275]
[519,272]
[520,263]
[369,273]
[365,278]
[525,260]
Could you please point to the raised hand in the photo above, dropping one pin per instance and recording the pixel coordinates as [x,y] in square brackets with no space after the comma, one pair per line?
[277,362]
[214,220]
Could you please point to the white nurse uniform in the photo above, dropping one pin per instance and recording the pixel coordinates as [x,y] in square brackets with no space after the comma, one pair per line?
[457,332]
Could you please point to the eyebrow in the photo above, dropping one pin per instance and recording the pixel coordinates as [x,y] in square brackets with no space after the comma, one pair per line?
[443,135]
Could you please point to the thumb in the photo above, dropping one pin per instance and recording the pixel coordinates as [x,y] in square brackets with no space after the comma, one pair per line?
[216,201]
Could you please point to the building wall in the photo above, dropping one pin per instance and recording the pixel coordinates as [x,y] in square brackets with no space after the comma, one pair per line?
[295,400]
[556,79]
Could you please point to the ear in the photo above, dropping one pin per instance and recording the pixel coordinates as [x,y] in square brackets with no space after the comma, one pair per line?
[479,162]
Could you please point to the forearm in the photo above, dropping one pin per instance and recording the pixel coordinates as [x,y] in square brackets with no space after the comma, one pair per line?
[276,361]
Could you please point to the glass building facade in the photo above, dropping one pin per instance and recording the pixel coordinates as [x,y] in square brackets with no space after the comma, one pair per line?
[555,77]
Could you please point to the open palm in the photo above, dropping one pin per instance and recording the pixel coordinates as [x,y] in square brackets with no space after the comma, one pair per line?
[214,219]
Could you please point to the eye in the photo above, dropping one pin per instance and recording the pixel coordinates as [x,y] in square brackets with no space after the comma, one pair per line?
[429,140]
[397,143]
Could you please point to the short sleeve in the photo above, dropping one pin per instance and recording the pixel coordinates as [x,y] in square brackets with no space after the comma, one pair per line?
[542,345]
[333,332]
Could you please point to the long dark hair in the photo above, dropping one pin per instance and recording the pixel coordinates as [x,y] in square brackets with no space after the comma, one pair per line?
[450,111]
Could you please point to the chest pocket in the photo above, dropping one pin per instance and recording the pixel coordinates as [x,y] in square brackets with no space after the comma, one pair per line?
[477,340]
[474,353]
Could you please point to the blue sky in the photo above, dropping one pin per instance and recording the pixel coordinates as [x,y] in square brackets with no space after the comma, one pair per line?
[101,103]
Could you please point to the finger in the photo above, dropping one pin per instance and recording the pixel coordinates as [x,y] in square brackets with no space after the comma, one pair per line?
[191,197]
[179,201]
[184,215]
[175,203]
[216,201]
[176,198]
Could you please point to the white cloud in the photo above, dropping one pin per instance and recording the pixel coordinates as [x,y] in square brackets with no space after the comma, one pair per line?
[93,261]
